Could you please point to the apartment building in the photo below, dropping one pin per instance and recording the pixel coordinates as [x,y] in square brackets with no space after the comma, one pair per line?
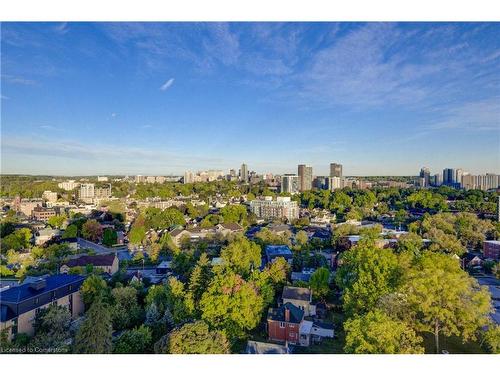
[282,207]
[20,304]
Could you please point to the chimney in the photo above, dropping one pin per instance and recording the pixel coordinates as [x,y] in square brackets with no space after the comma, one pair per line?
[287,314]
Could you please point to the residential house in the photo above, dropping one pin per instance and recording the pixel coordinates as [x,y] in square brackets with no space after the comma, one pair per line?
[275,251]
[108,263]
[299,297]
[45,235]
[20,304]
[283,323]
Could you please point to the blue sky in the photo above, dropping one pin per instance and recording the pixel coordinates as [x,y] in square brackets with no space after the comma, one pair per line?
[160,98]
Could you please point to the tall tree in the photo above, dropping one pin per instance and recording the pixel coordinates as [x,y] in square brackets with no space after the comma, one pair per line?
[197,338]
[444,300]
[92,230]
[135,341]
[231,303]
[242,256]
[377,333]
[95,333]
[52,327]
[126,311]
[366,273]
[94,287]
[319,283]
[199,281]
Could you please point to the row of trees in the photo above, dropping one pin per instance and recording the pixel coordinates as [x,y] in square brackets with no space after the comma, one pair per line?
[392,299]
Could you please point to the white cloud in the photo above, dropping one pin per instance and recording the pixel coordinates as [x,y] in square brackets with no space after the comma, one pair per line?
[18,80]
[167,84]
[114,114]
[62,28]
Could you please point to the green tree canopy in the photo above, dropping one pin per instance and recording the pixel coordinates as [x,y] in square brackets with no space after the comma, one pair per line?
[197,338]
[95,333]
[242,255]
[377,333]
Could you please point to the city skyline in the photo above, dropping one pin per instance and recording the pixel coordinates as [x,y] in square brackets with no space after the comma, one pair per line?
[162,98]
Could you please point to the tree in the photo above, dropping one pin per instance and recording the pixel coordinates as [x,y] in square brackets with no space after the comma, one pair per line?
[94,287]
[197,338]
[366,274]
[18,240]
[199,280]
[126,311]
[400,217]
[135,341]
[302,238]
[56,221]
[109,237]
[92,230]
[491,338]
[95,333]
[71,231]
[234,213]
[411,243]
[242,256]
[52,327]
[176,301]
[319,283]
[137,235]
[377,333]
[277,272]
[443,299]
[232,304]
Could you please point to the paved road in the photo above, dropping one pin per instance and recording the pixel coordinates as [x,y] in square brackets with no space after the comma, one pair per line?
[99,249]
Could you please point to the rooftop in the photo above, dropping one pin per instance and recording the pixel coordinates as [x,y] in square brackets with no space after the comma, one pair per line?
[25,291]
[256,347]
[293,292]
[278,314]
[278,250]
[95,260]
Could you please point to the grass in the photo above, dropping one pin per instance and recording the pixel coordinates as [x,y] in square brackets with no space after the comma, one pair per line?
[453,345]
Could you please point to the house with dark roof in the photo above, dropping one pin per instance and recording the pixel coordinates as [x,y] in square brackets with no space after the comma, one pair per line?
[20,304]
[283,323]
[275,251]
[300,297]
[108,263]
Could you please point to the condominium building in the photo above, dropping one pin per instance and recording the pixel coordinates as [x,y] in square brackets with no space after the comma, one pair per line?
[282,207]
[305,173]
[335,183]
[103,192]
[290,184]
[244,173]
[449,176]
[43,213]
[335,170]
[68,185]
[86,191]
[425,175]
[102,179]
[20,304]
[481,182]
[50,196]
[188,177]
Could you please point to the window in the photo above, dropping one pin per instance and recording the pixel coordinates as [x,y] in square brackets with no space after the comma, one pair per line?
[282,324]
[70,288]
[13,329]
[37,300]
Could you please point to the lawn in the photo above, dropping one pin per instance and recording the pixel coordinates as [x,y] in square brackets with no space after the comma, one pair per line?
[453,345]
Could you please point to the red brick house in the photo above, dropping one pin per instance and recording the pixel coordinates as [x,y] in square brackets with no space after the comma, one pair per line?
[283,323]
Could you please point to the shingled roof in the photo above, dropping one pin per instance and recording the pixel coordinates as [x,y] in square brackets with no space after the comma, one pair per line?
[278,314]
[96,260]
[293,292]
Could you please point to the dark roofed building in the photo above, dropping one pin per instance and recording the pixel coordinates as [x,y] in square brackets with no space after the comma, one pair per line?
[300,297]
[275,251]
[20,304]
[107,263]
[283,323]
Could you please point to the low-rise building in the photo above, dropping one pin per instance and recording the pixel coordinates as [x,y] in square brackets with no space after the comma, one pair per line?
[43,213]
[20,304]
[275,251]
[491,249]
[299,297]
[108,263]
